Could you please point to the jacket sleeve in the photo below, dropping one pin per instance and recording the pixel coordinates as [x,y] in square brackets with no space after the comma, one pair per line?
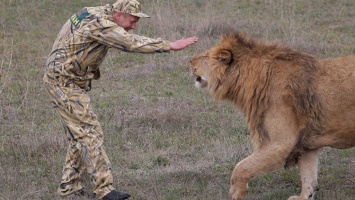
[117,37]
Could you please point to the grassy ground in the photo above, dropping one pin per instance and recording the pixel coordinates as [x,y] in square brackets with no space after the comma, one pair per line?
[166,140]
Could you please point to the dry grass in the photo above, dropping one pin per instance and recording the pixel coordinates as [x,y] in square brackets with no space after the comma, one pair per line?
[165,139]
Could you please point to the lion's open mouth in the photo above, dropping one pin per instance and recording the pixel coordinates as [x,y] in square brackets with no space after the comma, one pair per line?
[198,79]
[200,82]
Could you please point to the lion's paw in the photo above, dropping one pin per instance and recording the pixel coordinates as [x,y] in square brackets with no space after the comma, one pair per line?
[299,198]
[294,198]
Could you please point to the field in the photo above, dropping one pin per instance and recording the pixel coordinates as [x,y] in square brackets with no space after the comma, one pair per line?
[166,140]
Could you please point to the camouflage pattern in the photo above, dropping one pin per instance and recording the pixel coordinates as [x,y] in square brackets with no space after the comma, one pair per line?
[73,63]
[130,7]
[85,152]
[83,42]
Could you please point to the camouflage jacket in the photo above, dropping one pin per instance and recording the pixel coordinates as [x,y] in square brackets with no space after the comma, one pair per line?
[83,42]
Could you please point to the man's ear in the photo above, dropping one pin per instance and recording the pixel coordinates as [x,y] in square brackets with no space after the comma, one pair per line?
[225,56]
[117,15]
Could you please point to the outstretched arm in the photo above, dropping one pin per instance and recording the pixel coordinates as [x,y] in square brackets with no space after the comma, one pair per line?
[183,43]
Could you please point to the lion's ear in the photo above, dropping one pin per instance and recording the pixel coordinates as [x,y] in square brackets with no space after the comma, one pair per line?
[225,56]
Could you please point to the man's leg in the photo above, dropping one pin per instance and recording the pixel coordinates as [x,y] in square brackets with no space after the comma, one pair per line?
[96,161]
[85,135]
[71,171]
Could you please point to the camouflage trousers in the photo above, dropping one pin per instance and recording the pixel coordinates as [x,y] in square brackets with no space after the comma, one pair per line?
[85,152]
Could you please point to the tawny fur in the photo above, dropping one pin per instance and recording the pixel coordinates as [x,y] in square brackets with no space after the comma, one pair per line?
[288,97]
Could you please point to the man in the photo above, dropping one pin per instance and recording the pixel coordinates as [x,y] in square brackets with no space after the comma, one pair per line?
[73,63]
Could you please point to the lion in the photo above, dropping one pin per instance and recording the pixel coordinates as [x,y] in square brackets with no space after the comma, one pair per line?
[294,105]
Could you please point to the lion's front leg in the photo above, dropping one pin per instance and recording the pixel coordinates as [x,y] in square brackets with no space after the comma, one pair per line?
[239,185]
[308,166]
[265,160]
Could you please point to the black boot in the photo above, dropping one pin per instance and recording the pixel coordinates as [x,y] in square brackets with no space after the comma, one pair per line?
[116,195]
